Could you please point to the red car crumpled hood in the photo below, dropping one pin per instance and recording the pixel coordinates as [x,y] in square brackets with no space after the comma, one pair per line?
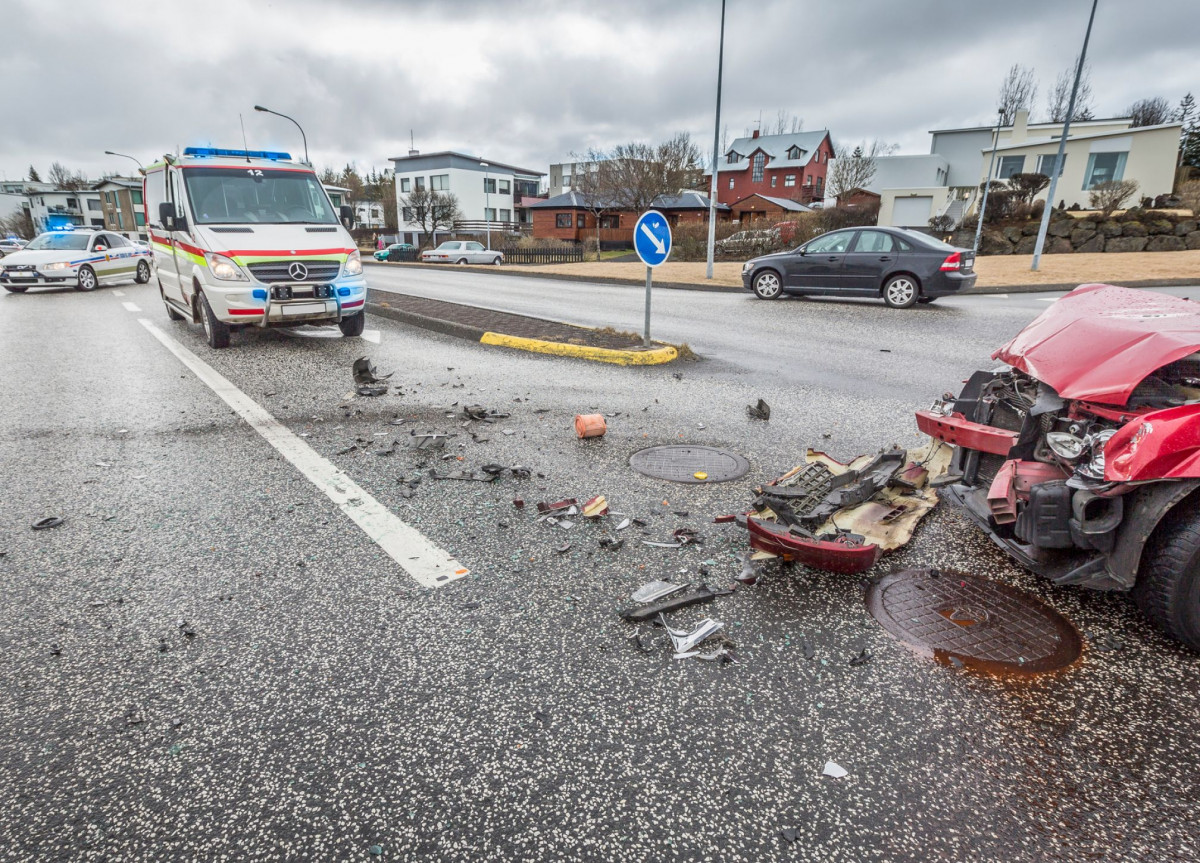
[1099,342]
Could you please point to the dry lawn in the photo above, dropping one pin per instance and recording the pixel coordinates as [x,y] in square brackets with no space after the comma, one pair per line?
[994,270]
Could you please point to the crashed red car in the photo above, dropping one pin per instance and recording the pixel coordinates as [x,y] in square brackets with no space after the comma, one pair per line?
[1080,456]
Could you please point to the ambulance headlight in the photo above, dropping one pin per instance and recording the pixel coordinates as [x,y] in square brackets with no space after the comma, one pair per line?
[224,269]
[353,264]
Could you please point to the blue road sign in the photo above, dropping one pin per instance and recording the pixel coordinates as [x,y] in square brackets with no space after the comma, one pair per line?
[652,238]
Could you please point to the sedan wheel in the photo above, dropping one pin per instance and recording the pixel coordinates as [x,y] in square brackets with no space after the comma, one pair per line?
[143,273]
[461,261]
[767,285]
[87,279]
[901,292]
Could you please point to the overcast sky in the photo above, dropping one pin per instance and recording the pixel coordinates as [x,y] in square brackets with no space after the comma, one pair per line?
[528,83]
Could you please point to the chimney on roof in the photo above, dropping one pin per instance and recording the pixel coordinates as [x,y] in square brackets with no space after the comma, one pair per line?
[1020,127]
[754,134]
[414,152]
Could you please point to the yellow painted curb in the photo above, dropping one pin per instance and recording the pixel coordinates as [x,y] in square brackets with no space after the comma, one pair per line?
[653,357]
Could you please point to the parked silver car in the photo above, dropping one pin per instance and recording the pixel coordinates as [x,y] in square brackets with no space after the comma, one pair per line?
[461,252]
[8,245]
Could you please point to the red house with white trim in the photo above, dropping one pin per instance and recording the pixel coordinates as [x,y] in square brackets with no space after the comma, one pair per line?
[789,166]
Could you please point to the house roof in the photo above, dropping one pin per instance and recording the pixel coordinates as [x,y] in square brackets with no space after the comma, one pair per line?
[782,203]
[123,182]
[776,148]
[491,163]
[686,200]
[1119,133]
[1048,125]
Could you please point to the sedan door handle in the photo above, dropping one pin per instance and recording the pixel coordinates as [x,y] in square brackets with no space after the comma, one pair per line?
[833,257]
[886,258]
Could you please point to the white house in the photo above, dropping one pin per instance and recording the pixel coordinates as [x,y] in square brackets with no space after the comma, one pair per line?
[913,189]
[489,193]
[55,209]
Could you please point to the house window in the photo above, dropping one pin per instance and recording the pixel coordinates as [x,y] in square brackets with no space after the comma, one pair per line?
[789,179]
[566,183]
[610,221]
[732,158]
[773,179]
[439,182]
[140,218]
[757,167]
[489,185]
[136,195]
[731,182]
[562,220]
[793,152]
[71,202]
[505,187]
[405,185]
[581,221]
[1046,164]
[506,215]
[1103,167]
[489,214]
[1010,165]
[94,204]
[420,181]
[820,185]
[407,214]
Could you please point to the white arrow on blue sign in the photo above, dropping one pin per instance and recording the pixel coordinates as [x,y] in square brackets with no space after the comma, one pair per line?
[652,238]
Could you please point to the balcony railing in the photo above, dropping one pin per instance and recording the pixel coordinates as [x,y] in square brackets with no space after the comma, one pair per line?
[481,225]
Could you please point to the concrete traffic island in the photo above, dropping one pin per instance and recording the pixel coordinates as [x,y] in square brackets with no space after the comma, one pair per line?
[519,332]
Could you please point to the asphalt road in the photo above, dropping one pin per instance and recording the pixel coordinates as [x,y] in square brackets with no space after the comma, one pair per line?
[210,659]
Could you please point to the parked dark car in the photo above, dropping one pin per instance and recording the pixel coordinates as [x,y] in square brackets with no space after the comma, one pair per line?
[1080,455]
[904,267]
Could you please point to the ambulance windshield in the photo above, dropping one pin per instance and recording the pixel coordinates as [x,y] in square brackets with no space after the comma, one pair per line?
[225,196]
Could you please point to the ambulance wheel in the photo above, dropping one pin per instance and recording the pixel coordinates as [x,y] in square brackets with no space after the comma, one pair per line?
[87,279]
[143,273]
[217,332]
[13,289]
[171,313]
[353,325]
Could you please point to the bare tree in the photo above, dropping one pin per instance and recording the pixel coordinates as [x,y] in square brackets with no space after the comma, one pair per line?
[594,185]
[855,169]
[1060,96]
[786,123]
[431,211]
[1111,195]
[1018,92]
[1150,112]
[64,178]
[638,172]
[20,224]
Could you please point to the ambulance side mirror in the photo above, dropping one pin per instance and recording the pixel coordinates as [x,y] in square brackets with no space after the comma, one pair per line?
[347,215]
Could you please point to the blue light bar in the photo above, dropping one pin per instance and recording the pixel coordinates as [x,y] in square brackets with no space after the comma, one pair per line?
[239,154]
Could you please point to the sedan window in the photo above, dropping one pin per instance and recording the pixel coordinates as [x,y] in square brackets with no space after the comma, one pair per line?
[833,243]
[874,241]
[475,247]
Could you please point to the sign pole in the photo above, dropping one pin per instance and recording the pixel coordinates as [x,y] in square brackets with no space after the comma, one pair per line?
[646,331]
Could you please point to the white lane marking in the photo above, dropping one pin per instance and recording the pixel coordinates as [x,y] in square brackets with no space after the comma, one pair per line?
[131,307]
[1047,299]
[118,293]
[429,565]
[371,336]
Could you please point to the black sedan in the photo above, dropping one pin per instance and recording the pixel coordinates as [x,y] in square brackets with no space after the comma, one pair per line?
[902,266]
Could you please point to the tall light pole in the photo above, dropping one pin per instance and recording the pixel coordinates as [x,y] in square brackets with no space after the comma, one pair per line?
[712,193]
[987,185]
[298,126]
[141,169]
[487,204]
[1062,145]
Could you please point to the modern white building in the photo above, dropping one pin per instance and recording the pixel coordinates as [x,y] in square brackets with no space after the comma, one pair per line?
[55,209]
[913,189]
[490,194]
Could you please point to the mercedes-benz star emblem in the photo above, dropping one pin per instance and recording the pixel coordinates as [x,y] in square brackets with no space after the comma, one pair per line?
[298,271]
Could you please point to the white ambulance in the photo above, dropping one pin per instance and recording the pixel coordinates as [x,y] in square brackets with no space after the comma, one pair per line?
[250,238]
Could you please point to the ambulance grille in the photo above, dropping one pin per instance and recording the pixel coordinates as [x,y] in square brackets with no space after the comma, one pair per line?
[277,271]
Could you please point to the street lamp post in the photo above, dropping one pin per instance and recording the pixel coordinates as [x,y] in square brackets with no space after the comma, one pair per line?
[712,193]
[487,204]
[141,169]
[987,185]
[303,137]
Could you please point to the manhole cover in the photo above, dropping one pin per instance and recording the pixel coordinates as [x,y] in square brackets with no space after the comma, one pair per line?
[957,618]
[682,463]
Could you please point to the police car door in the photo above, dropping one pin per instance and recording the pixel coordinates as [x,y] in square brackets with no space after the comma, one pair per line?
[103,257]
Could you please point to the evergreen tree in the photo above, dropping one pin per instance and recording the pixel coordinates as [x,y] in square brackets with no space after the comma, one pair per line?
[1189,142]
[34,177]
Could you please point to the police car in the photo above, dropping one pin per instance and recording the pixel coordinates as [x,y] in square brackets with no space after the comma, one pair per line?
[81,259]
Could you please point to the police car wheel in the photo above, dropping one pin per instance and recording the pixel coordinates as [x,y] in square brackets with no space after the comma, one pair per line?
[143,273]
[217,332]
[13,289]
[353,325]
[87,279]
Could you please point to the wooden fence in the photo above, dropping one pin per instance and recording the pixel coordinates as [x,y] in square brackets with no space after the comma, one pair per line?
[572,255]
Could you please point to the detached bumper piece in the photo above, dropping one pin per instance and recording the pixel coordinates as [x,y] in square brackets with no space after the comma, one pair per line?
[843,517]
[956,429]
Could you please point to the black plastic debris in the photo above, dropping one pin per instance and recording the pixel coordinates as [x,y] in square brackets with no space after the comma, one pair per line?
[367,380]
[185,628]
[479,413]
[807,648]
[348,449]
[47,522]
[789,833]
[428,440]
[759,411]
[693,595]
[563,549]
[610,544]
[55,650]
[861,659]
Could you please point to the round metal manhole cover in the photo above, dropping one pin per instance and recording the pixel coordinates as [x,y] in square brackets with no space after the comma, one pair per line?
[965,620]
[683,463]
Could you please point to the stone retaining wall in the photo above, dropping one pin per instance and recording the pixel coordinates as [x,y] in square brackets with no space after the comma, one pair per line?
[1132,231]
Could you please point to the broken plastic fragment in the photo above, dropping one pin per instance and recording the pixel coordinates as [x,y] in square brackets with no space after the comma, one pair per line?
[685,640]
[834,770]
[759,411]
[47,522]
[862,659]
[655,590]
[595,507]
[692,595]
